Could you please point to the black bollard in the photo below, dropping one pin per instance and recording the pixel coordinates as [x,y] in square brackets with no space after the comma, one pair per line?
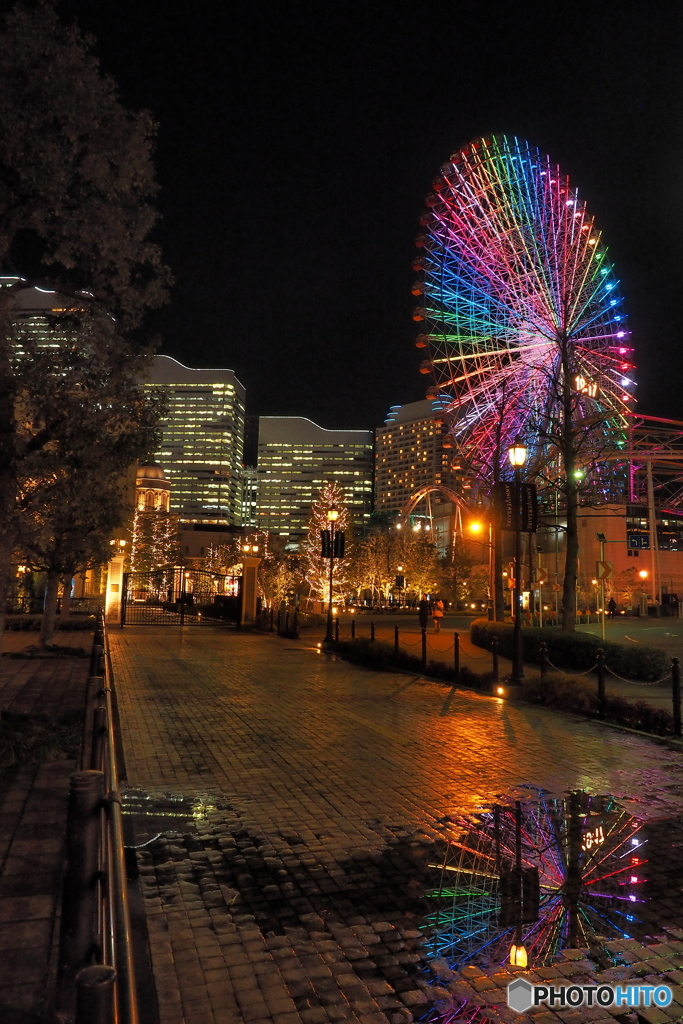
[676,694]
[95,995]
[396,641]
[456,655]
[336,630]
[353,629]
[372,630]
[543,653]
[601,682]
[424,650]
[494,654]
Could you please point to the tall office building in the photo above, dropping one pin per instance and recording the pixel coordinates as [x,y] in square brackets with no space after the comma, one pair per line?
[202,444]
[295,458]
[409,455]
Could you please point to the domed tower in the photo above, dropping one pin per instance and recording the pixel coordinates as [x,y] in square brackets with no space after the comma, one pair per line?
[155,529]
[152,489]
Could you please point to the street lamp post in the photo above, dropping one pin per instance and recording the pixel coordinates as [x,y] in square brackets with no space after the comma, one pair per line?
[517,455]
[332,517]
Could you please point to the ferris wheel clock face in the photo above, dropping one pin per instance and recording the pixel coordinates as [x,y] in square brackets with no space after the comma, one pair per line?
[517,294]
[594,837]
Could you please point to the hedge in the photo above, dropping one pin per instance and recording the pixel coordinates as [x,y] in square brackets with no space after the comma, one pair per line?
[576,651]
[381,656]
[567,693]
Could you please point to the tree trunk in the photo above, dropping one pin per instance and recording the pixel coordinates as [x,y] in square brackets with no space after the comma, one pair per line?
[47,627]
[571,565]
[66,596]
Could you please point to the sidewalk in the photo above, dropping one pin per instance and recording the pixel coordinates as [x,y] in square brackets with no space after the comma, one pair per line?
[289,886]
[33,802]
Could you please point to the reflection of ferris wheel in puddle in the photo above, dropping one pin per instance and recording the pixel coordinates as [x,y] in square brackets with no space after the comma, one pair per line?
[525,882]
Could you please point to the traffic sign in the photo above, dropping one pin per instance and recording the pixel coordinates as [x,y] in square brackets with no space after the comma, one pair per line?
[604,570]
[541,576]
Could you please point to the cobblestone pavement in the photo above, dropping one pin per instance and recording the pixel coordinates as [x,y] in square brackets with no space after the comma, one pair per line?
[33,804]
[287,803]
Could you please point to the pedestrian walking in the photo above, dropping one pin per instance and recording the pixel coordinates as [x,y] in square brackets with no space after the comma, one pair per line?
[423,611]
[437,615]
[611,607]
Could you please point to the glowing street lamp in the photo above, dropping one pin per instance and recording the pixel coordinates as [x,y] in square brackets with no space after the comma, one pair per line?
[517,454]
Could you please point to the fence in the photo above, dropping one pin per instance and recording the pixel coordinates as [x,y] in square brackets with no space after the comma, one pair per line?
[96,978]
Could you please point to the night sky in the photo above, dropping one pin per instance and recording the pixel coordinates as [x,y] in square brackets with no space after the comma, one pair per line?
[297,141]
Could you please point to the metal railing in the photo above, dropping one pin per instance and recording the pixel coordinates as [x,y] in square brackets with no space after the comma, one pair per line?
[96,976]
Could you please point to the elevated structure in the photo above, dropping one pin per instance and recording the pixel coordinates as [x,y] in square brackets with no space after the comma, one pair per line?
[295,458]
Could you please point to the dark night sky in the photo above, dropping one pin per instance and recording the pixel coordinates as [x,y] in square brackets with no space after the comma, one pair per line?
[297,141]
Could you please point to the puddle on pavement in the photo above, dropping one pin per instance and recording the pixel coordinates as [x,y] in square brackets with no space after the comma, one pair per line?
[545,873]
[148,817]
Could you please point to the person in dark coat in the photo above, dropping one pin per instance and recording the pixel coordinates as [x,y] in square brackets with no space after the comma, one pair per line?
[612,607]
[423,612]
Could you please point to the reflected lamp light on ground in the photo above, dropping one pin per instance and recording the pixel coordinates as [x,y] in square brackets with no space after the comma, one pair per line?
[518,956]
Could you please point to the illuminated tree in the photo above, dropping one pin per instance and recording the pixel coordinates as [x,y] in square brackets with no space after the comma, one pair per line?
[315,568]
[155,540]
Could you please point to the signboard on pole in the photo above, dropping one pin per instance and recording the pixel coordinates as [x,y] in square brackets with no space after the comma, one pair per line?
[604,570]
[514,514]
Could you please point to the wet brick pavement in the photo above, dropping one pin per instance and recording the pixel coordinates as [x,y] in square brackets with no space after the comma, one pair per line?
[319,791]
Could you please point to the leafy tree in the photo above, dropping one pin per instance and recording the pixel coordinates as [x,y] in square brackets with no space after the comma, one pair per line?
[76,192]
[316,569]
[80,420]
[377,558]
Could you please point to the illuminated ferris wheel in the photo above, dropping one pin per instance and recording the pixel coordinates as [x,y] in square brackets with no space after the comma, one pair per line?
[518,296]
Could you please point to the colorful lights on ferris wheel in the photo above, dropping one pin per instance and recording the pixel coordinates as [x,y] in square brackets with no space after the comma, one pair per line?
[510,260]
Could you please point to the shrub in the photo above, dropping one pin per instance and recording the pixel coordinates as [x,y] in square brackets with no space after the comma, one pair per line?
[378,655]
[573,650]
[567,693]
[32,622]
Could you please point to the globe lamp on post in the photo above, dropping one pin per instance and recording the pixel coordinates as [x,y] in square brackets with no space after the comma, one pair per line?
[332,517]
[517,454]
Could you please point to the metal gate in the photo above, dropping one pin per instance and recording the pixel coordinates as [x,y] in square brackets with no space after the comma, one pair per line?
[178,596]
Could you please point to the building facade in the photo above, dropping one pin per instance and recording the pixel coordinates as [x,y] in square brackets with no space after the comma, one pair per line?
[201,451]
[410,455]
[295,458]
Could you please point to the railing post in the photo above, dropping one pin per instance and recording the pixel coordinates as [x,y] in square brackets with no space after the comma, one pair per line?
[295,625]
[272,619]
[336,630]
[99,732]
[494,655]
[396,641]
[78,936]
[286,633]
[424,650]
[353,629]
[543,651]
[372,630]
[456,655]
[95,995]
[601,682]
[676,694]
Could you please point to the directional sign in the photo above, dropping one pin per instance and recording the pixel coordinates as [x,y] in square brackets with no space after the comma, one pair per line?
[542,577]
[604,570]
